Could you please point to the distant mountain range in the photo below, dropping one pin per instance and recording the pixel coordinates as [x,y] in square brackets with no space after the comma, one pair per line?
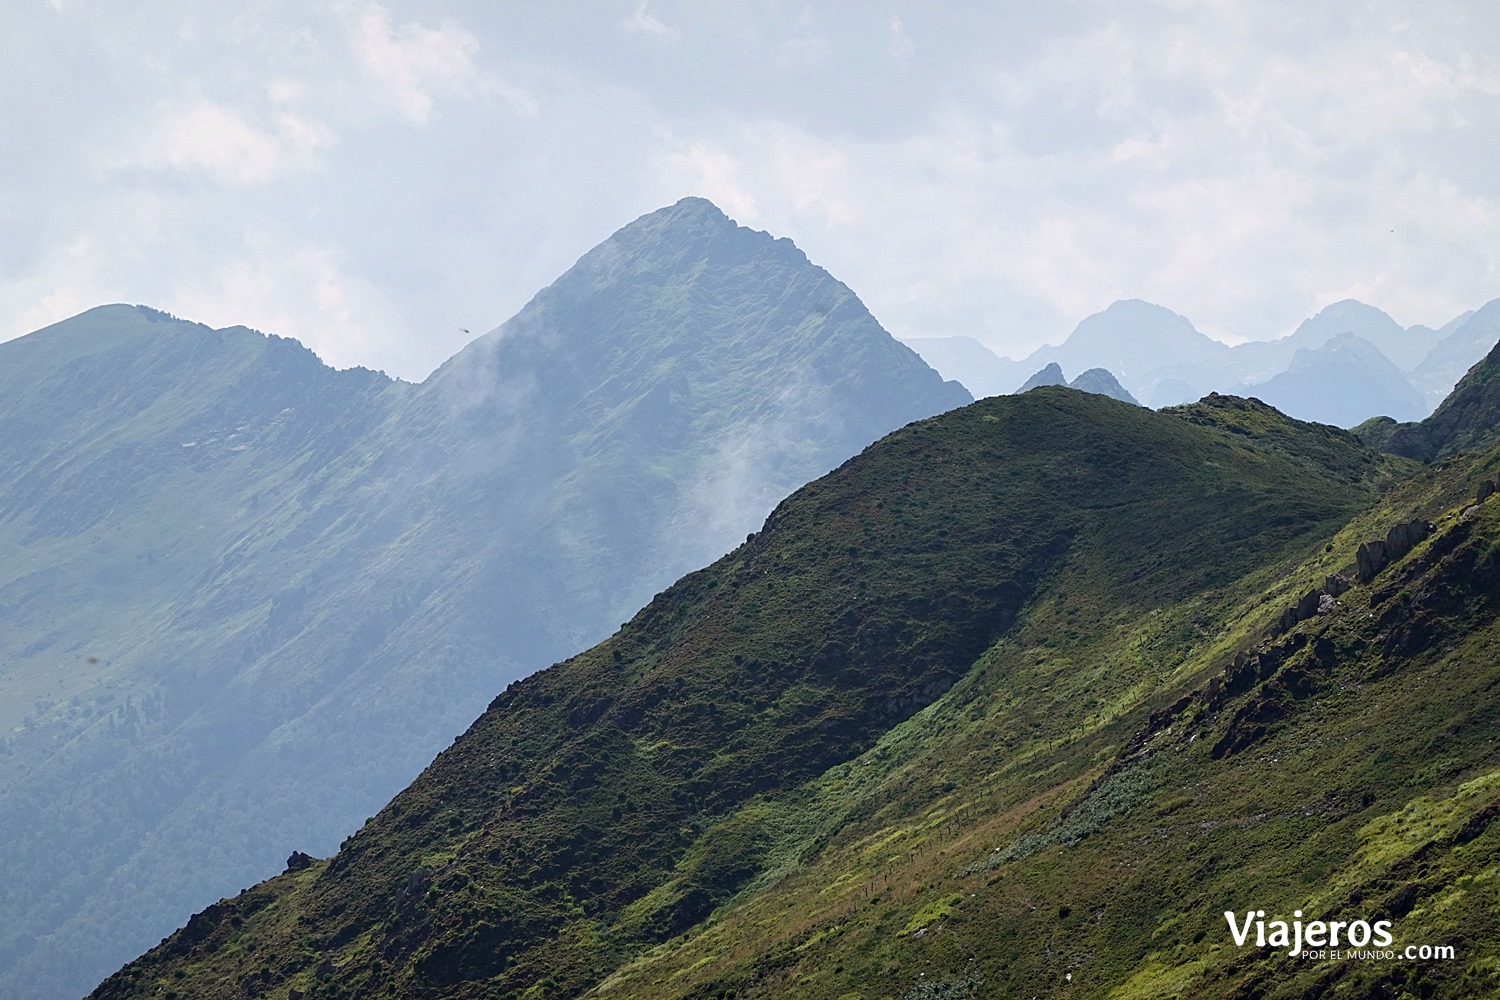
[249,597]
[1345,365]
[1048,695]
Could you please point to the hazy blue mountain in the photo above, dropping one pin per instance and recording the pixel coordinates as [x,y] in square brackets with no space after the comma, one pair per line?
[1464,341]
[1095,380]
[1050,375]
[1102,382]
[1142,345]
[968,362]
[1173,392]
[1159,357]
[1344,382]
[1404,348]
[1258,360]
[249,597]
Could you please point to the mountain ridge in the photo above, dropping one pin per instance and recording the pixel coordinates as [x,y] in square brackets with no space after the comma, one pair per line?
[1431,361]
[914,540]
[348,589]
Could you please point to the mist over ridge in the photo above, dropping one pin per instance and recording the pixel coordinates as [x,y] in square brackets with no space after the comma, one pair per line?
[252,596]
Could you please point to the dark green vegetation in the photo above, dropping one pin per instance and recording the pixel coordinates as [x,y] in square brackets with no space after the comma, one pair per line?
[247,597]
[988,711]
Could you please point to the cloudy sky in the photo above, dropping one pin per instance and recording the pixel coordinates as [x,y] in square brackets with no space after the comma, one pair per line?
[371,177]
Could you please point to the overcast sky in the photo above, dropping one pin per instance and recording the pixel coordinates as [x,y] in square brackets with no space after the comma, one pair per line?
[372,177]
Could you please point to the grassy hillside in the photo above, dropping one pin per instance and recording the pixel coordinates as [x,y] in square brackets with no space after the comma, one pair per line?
[998,845]
[891,744]
[1466,420]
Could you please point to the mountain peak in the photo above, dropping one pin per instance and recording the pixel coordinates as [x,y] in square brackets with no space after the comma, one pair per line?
[1132,338]
[1102,382]
[387,548]
[675,239]
[1348,307]
[126,332]
[1347,343]
[1344,381]
[1348,316]
[1140,307]
[1052,374]
[696,205]
[1404,348]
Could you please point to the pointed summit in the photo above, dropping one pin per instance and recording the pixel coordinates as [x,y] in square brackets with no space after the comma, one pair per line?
[343,570]
[1344,382]
[1102,382]
[730,318]
[1404,348]
[1052,374]
[1141,344]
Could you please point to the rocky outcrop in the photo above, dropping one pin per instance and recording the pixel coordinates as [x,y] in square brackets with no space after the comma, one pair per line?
[1317,601]
[1374,556]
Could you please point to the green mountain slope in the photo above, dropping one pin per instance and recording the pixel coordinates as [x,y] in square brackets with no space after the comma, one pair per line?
[1467,419]
[790,772]
[103,415]
[253,597]
[992,846]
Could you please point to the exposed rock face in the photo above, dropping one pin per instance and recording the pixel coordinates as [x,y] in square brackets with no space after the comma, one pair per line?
[1374,556]
[298,861]
[1317,601]
[1370,559]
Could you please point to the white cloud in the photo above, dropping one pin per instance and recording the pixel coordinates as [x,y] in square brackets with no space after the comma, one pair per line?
[296,291]
[413,64]
[964,171]
[902,46]
[65,283]
[1239,186]
[643,21]
[803,51]
[705,169]
[228,146]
